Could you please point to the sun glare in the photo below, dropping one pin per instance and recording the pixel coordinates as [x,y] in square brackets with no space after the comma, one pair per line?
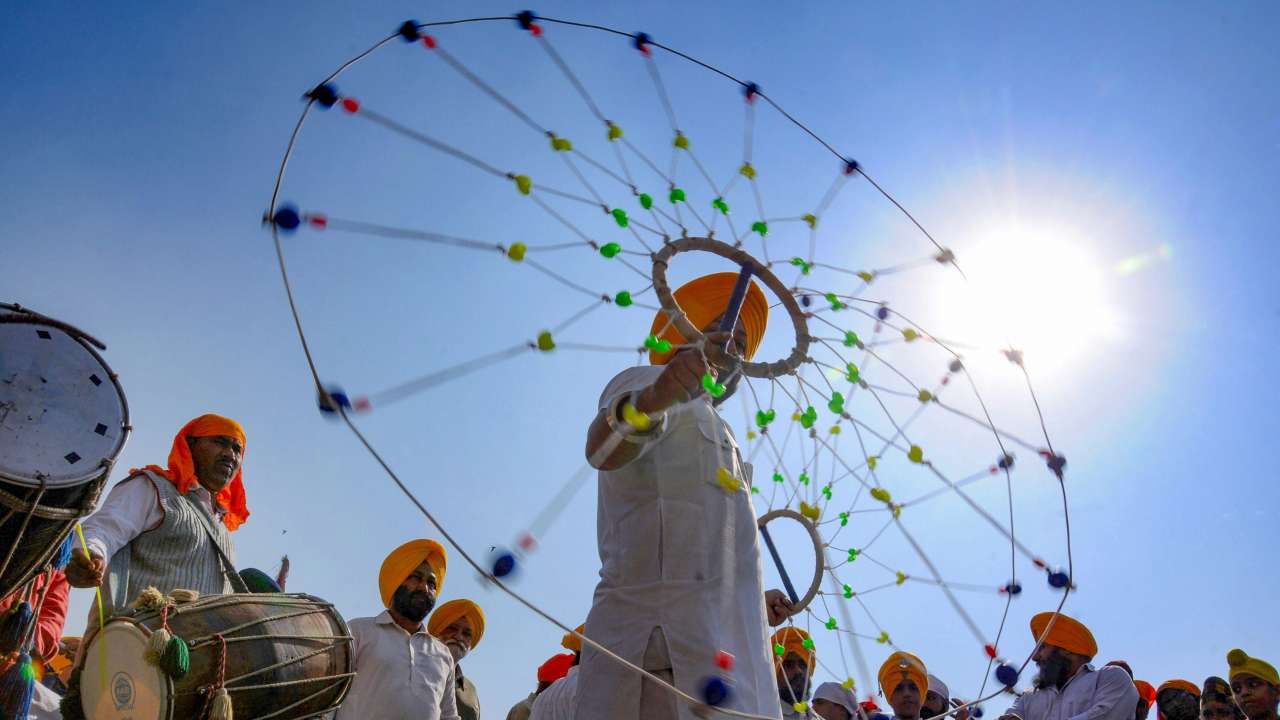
[1036,290]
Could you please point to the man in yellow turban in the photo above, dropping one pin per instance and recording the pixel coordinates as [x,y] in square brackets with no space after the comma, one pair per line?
[1255,685]
[1067,685]
[793,669]
[681,574]
[904,681]
[402,670]
[1178,700]
[170,526]
[459,624]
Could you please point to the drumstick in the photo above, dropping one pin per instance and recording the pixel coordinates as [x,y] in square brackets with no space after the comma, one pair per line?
[102,652]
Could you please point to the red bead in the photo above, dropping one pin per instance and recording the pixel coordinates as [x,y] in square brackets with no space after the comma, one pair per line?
[318,221]
[724,660]
[350,104]
[535,30]
[994,469]
[429,42]
[362,404]
[990,649]
[946,380]
[1039,563]
[527,542]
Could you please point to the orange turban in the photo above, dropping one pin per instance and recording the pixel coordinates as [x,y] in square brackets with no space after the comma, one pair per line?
[1067,633]
[556,667]
[1179,685]
[1145,691]
[901,666]
[706,299]
[572,642]
[182,471]
[792,640]
[404,560]
[448,613]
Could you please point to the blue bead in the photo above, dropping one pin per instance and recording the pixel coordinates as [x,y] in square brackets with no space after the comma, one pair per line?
[750,90]
[504,564]
[1013,588]
[715,691]
[333,398]
[851,166]
[525,19]
[409,31]
[805,300]
[641,39]
[1059,579]
[287,218]
[882,312]
[1057,463]
[1005,462]
[326,95]
[1007,674]
[976,711]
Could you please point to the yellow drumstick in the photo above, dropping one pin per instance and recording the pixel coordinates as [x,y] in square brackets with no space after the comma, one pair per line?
[102,646]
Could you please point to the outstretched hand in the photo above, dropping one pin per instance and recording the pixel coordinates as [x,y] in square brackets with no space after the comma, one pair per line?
[778,606]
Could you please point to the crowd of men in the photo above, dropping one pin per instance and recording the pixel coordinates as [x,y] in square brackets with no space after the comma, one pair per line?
[680,597]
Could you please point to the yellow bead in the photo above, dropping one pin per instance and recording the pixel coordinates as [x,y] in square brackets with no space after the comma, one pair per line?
[881,494]
[751,434]
[516,251]
[727,481]
[910,335]
[523,184]
[871,462]
[747,171]
[560,144]
[810,219]
[835,430]
[924,396]
[847,684]
[635,418]
[615,132]
[902,577]
[866,276]
[801,707]
[810,511]
[915,454]
[681,141]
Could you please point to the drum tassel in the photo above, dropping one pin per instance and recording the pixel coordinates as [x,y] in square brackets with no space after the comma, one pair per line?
[16,688]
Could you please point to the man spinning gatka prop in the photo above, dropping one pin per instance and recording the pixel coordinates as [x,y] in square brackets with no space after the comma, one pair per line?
[681,577]
[1255,685]
[402,671]
[459,624]
[904,681]
[1068,685]
[170,527]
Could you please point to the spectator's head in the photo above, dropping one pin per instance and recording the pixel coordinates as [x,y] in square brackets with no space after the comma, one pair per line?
[459,624]
[1177,700]
[1216,702]
[1065,645]
[555,668]
[937,700]
[794,664]
[1254,684]
[904,682]
[831,701]
[1146,698]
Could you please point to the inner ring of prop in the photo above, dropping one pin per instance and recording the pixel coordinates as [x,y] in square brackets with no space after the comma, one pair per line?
[817,552]
[691,334]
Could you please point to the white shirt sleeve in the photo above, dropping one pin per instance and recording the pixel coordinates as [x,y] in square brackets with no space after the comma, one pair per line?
[1114,698]
[131,508]
[448,699]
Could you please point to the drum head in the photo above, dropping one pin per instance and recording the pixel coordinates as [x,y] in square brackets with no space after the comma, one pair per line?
[61,411]
[117,682]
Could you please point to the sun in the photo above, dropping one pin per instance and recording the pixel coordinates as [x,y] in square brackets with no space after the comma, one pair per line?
[1035,289]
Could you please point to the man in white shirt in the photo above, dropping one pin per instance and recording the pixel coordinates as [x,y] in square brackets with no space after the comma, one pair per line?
[1067,686]
[681,576]
[459,624]
[170,527]
[402,672]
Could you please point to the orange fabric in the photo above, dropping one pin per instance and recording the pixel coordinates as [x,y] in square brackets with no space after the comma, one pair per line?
[1179,685]
[572,642]
[1146,691]
[1067,633]
[182,472]
[706,299]
[792,638]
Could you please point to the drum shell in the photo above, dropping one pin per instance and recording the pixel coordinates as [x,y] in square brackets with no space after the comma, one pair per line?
[242,619]
[34,546]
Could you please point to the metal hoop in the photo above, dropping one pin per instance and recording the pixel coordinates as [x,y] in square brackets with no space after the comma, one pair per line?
[817,552]
[661,259]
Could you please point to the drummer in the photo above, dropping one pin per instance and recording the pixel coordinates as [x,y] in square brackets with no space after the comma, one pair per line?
[170,527]
[403,671]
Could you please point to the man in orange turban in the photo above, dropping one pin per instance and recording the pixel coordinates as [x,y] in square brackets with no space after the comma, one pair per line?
[675,525]
[904,682]
[402,670]
[1178,700]
[459,624]
[170,527]
[1067,685]
[793,668]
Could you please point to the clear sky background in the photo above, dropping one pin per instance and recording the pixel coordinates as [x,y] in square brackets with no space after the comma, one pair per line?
[1140,141]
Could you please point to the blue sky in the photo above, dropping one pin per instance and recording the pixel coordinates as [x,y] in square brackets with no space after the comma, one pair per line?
[141,146]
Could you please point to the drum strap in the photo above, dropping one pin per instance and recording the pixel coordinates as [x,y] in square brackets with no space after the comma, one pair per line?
[237,582]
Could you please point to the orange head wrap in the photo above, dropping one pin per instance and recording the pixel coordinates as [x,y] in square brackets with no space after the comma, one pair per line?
[901,666]
[572,642]
[556,667]
[1179,685]
[792,640]
[404,560]
[1145,691]
[1067,633]
[182,470]
[706,299]
[450,612]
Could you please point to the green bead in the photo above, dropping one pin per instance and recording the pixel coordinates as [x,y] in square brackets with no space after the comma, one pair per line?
[809,417]
[610,249]
[851,339]
[804,478]
[831,623]
[720,205]
[836,405]
[761,227]
[622,299]
[852,374]
[848,592]
[545,342]
[844,519]
[835,302]
[779,650]
[777,477]
[656,345]
[755,490]
[646,200]
[763,417]
[800,263]
[676,195]
[853,554]
[713,388]
[826,492]
[620,217]
[807,643]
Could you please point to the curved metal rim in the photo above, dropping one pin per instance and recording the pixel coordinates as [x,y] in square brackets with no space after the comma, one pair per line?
[817,551]
[661,259]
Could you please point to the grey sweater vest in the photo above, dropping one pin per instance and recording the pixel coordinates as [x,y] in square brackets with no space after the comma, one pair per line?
[177,554]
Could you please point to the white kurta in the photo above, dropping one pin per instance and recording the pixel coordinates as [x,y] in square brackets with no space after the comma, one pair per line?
[558,701]
[398,676]
[1103,694]
[678,553]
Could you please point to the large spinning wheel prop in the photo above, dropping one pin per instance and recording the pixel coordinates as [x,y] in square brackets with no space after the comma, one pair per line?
[840,378]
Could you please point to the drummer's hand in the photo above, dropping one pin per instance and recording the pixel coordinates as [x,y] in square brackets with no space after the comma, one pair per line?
[681,378]
[778,605]
[85,571]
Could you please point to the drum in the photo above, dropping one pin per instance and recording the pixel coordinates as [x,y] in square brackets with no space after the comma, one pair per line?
[284,657]
[63,421]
